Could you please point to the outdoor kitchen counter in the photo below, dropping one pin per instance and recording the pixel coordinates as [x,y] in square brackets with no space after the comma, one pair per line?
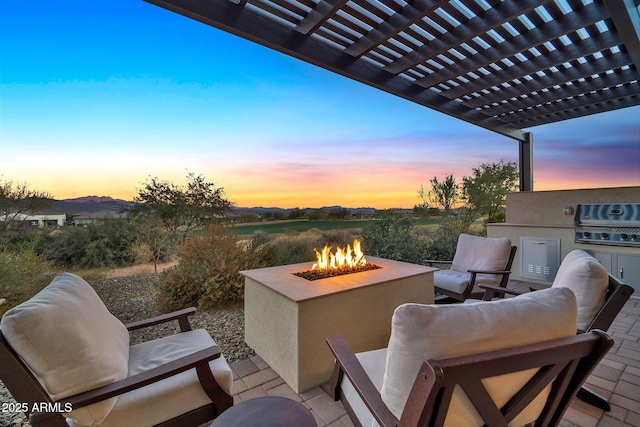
[287,318]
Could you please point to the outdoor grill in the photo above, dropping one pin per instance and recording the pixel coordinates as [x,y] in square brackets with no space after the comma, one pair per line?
[608,224]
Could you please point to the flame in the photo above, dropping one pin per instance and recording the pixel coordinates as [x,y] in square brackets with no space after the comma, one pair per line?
[340,259]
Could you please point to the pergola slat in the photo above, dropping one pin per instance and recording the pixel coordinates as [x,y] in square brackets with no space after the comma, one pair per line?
[502,65]
[574,103]
[575,88]
[554,29]
[617,104]
[583,71]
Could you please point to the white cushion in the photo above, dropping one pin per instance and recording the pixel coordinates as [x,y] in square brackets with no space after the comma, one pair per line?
[70,341]
[170,397]
[422,332]
[373,363]
[588,279]
[479,253]
[451,280]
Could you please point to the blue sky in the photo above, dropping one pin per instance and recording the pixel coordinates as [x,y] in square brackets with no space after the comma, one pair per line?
[97,96]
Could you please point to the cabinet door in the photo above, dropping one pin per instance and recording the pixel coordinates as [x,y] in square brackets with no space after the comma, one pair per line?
[628,270]
[540,258]
[605,259]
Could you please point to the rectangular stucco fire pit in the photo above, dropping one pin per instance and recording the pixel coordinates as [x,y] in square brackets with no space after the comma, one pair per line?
[287,318]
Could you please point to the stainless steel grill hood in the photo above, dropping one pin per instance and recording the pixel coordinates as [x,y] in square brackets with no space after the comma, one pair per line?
[608,224]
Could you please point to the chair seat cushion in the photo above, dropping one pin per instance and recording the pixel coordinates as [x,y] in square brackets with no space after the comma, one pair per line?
[178,394]
[588,279]
[422,332]
[457,281]
[373,363]
[70,341]
[450,280]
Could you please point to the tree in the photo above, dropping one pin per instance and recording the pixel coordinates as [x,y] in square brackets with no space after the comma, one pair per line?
[485,192]
[179,208]
[153,243]
[17,200]
[445,193]
[296,213]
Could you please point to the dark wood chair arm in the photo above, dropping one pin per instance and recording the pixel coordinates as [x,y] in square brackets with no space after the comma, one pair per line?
[502,290]
[182,316]
[142,379]
[491,291]
[435,261]
[363,385]
[489,271]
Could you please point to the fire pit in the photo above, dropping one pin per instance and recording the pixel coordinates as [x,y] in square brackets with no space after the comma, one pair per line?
[288,317]
[343,261]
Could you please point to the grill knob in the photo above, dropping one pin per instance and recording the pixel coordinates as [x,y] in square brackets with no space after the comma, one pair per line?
[634,237]
[587,235]
[604,236]
[624,237]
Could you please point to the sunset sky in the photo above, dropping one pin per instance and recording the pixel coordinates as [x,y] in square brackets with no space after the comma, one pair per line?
[98,96]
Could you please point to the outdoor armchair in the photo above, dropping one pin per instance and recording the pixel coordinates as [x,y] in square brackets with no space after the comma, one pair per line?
[600,297]
[478,260]
[516,361]
[67,360]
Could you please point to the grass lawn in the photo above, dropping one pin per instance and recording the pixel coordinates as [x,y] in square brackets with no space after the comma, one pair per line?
[299,226]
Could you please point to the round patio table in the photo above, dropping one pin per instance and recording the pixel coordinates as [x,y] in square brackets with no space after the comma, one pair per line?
[268,411]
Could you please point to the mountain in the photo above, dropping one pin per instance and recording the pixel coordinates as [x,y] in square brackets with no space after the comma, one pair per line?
[89,204]
[92,204]
[92,199]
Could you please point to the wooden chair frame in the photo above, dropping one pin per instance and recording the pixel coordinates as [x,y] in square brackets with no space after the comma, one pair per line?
[617,295]
[25,387]
[563,363]
[467,293]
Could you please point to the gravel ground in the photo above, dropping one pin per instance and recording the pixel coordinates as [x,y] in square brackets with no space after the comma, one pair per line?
[134,298]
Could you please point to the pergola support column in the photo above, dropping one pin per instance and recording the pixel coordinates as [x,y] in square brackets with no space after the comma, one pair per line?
[526,162]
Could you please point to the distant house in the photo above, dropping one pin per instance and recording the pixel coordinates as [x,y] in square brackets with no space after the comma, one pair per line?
[40,220]
[84,219]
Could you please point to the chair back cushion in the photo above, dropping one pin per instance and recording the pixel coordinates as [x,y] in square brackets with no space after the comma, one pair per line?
[431,332]
[70,341]
[588,279]
[481,253]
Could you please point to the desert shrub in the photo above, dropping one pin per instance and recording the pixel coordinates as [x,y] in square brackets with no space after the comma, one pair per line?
[142,253]
[288,249]
[23,274]
[500,216]
[335,238]
[394,237]
[208,272]
[101,245]
[154,243]
[443,241]
[260,237]
[297,247]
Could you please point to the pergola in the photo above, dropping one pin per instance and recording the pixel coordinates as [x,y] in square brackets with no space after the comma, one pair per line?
[501,65]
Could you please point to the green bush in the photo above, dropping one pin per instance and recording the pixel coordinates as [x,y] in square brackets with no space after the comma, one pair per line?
[288,249]
[22,275]
[338,237]
[297,247]
[208,272]
[394,237]
[442,243]
[102,245]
